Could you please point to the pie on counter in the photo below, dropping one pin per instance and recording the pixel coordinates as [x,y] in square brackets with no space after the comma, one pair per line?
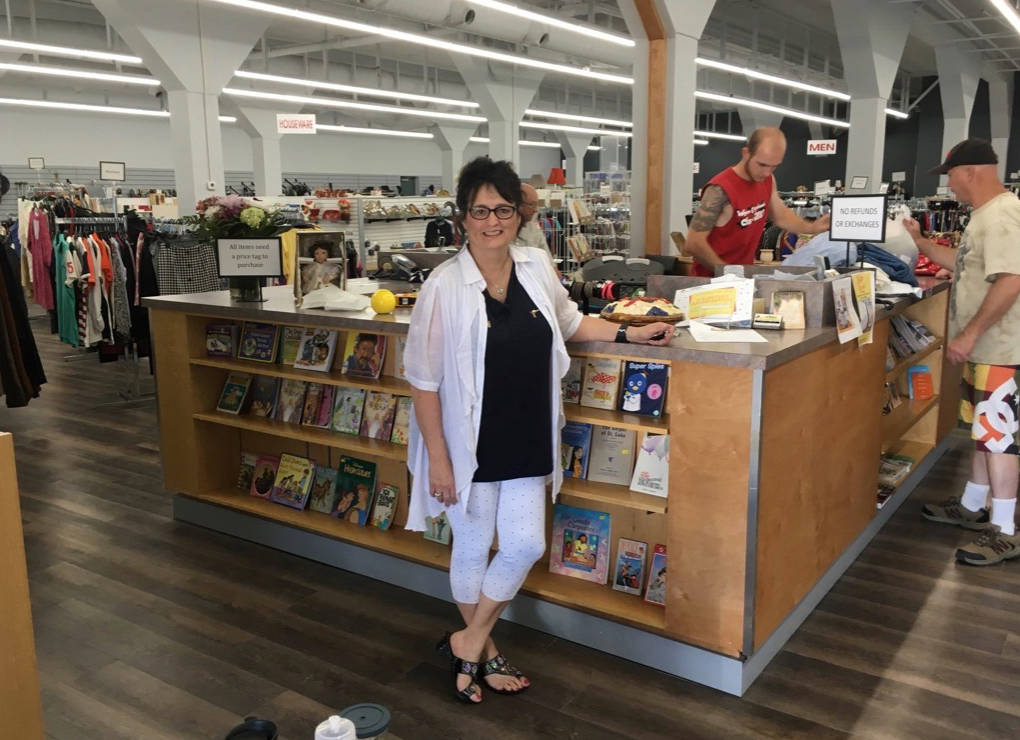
[642,311]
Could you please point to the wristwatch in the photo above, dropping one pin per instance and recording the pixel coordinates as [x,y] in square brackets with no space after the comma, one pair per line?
[621,333]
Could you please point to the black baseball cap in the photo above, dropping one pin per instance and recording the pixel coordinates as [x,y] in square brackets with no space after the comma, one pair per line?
[968,151]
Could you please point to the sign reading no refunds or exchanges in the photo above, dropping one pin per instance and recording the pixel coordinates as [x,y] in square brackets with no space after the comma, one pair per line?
[858,218]
[240,257]
[295,123]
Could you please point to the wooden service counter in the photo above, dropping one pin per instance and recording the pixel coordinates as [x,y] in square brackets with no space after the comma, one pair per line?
[774,462]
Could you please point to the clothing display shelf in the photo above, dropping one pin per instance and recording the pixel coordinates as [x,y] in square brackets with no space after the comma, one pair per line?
[752,424]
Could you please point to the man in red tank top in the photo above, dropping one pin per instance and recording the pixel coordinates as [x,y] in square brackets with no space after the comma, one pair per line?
[737,202]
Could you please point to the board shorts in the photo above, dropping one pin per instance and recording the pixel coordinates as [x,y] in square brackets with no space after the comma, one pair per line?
[989,405]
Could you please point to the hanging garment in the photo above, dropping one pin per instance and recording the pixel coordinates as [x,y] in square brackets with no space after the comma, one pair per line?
[22,374]
[186,267]
[67,273]
[121,305]
[40,245]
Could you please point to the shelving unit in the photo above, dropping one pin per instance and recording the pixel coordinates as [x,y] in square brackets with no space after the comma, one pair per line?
[907,362]
[609,493]
[384,383]
[901,419]
[620,419]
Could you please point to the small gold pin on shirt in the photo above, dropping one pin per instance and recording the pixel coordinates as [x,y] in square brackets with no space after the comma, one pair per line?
[534,313]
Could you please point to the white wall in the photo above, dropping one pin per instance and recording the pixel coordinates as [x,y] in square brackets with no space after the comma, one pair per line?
[83,139]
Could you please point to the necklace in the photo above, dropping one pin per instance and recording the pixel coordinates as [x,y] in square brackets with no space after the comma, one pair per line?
[496,288]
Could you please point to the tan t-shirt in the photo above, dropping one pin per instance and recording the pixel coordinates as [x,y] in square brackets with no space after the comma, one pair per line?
[990,247]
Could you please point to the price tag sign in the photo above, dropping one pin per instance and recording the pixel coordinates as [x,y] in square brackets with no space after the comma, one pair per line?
[249,257]
[858,218]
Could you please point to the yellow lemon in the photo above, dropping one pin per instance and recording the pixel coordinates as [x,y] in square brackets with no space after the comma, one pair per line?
[383,301]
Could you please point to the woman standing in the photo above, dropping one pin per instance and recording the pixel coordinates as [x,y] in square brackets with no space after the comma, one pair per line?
[485,354]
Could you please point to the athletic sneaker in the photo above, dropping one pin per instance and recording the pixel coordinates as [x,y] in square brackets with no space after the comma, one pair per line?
[951,511]
[990,548]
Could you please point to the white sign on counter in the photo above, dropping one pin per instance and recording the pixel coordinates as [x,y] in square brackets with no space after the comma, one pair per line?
[243,257]
[295,123]
[858,218]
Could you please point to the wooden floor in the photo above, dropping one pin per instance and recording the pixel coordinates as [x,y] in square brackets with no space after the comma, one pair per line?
[151,629]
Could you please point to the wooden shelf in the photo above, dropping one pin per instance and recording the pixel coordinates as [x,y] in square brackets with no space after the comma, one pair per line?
[594,598]
[347,442]
[384,383]
[620,419]
[575,593]
[917,451]
[610,493]
[900,419]
[913,359]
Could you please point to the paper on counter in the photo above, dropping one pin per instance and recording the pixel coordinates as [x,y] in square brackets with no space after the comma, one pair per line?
[705,333]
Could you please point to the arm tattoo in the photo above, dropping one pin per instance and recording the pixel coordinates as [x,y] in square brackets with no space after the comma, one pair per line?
[713,200]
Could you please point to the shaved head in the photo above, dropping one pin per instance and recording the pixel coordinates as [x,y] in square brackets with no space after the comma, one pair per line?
[529,204]
[765,149]
[767,135]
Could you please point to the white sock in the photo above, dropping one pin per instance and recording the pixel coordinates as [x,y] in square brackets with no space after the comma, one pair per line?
[975,496]
[1003,511]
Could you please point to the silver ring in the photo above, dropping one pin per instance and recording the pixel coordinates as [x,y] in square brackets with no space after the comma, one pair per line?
[437,494]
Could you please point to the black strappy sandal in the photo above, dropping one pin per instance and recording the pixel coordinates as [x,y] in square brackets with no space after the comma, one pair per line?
[499,666]
[457,667]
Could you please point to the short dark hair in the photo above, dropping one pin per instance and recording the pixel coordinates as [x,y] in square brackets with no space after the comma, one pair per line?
[366,338]
[483,171]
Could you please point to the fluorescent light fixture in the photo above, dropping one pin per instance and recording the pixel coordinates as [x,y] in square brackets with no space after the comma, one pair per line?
[551,21]
[333,103]
[228,119]
[479,139]
[594,148]
[718,135]
[81,74]
[1008,11]
[542,144]
[896,113]
[63,51]
[731,100]
[756,75]
[572,117]
[370,91]
[372,30]
[373,131]
[701,142]
[56,105]
[573,129]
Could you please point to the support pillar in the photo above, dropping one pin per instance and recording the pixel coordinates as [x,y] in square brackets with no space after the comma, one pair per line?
[1000,104]
[575,146]
[453,139]
[958,81]
[193,48]
[872,35]
[260,125]
[666,33]
[503,92]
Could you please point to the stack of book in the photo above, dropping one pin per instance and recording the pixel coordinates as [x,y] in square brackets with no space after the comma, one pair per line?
[907,337]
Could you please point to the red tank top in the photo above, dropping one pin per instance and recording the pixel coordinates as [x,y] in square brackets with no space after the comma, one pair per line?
[736,242]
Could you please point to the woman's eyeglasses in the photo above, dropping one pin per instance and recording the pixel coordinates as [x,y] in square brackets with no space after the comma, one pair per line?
[480,213]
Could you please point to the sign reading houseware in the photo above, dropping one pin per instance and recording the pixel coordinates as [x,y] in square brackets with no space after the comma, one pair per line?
[821,147]
[249,257]
[858,218]
[295,123]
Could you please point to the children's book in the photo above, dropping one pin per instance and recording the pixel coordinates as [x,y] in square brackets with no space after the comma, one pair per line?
[234,393]
[364,355]
[355,486]
[571,382]
[656,591]
[651,469]
[247,470]
[324,494]
[293,481]
[580,543]
[612,455]
[601,382]
[399,364]
[264,392]
[221,340]
[258,342]
[919,383]
[316,350]
[437,529]
[644,387]
[324,413]
[385,508]
[311,406]
[629,574]
[377,422]
[575,444]
[291,401]
[401,421]
[264,478]
[347,410]
[289,343]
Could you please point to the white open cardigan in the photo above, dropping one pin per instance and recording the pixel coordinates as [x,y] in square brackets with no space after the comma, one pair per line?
[445,353]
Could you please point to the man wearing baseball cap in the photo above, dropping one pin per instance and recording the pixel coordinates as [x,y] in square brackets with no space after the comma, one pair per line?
[984,332]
